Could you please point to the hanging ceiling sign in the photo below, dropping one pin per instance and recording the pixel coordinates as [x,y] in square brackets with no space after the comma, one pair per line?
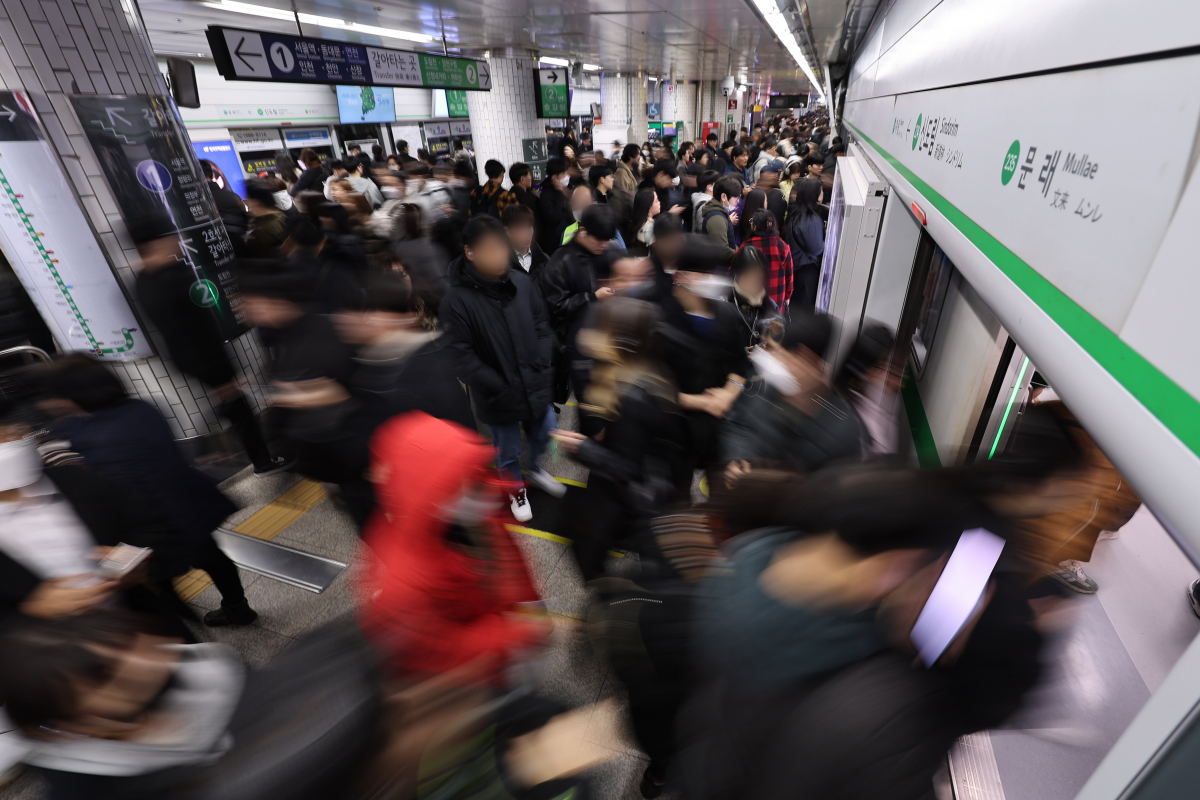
[243,55]
[46,239]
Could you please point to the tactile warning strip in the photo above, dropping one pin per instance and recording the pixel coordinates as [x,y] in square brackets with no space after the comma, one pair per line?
[266,523]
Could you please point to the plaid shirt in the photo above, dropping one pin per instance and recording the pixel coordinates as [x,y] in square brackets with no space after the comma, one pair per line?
[482,196]
[779,262]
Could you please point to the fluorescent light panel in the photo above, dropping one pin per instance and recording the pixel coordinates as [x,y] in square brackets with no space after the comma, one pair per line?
[592,67]
[312,19]
[774,17]
[557,62]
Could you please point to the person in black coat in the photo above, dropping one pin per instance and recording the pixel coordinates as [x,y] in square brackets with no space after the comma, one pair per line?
[749,294]
[568,285]
[229,206]
[704,348]
[495,319]
[527,255]
[129,441]
[554,205]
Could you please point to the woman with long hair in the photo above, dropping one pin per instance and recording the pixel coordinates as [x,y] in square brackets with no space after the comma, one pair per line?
[806,238]
[287,170]
[764,237]
[751,204]
[641,222]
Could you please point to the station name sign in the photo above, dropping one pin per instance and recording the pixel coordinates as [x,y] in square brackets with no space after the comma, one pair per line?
[244,55]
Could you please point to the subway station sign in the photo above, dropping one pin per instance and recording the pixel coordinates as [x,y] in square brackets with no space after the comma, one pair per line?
[553,95]
[244,55]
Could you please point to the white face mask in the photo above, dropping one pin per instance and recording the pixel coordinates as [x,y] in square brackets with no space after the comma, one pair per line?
[732,206]
[564,180]
[392,192]
[646,153]
[774,373]
[675,181]
[710,287]
[577,213]
[20,463]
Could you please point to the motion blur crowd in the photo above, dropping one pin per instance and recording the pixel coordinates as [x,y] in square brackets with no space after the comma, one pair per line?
[432,335]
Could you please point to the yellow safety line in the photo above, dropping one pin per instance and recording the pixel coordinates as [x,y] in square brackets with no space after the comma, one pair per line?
[266,523]
[570,482]
[553,537]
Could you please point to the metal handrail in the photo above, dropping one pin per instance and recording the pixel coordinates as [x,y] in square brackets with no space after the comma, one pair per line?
[27,348]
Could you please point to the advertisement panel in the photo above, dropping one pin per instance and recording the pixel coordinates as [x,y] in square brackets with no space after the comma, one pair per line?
[229,166]
[47,240]
[365,104]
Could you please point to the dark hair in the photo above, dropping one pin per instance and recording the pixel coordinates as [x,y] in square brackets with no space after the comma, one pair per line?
[700,254]
[480,227]
[810,161]
[763,223]
[48,661]
[518,171]
[463,169]
[747,257]
[664,166]
[377,151]
[666,225]
[597,173]
[769,142]
[807,193]
[738,150]
[81,379]
[556,166]
[456,144]
[401,146]
[388,291]
[493,169]
[304,232]
[261,191]
[289,286]
[309,158]
[285,168]
[729,186]
[337,164]
[808,329]
[599,222]
[712,136]
[874,341]
[755,202]
[706,180]
[643,201]
[423,155]
[630,153]
[516,215]
[206,167]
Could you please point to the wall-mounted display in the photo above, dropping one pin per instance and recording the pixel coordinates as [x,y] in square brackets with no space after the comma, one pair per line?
[366,104]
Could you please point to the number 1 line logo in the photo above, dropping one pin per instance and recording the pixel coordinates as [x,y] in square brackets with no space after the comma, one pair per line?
[62,287]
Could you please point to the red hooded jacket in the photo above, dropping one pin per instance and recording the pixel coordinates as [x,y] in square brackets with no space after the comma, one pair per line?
[429,604]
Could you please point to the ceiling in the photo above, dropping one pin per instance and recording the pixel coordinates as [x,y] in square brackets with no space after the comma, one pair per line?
[692,39]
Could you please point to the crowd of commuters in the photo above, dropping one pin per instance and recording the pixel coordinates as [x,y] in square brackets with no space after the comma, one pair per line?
[426,328]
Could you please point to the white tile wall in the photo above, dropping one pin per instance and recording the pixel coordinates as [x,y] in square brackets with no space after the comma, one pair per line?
[53,48]
[501,118]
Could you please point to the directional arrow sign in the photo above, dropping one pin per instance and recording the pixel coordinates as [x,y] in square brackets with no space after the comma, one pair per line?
[249,55]
[11,114]
[485,76]
[114,114]
[553,96]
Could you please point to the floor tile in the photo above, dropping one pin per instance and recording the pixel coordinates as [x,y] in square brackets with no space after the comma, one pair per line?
[256,645]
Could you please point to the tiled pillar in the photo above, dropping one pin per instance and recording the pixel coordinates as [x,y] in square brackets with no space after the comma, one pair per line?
[501,118]
[639,124]
[685,111]
[54,48]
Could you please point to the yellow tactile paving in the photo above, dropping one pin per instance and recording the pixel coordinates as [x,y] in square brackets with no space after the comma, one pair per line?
[266,523]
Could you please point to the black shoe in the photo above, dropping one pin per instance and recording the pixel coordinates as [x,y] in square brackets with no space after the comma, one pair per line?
[278,464]
[226,616]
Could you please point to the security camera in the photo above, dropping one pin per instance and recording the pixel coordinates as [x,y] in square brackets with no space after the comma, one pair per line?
[728,86]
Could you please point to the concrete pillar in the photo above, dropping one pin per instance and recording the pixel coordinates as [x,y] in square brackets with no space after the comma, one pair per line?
[501,118]
[55,48]
[685,111]
[639,123]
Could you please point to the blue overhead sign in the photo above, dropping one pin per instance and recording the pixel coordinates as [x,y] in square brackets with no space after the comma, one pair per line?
[245,55]
[652,110]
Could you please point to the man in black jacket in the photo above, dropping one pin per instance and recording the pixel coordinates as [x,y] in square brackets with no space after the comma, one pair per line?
[493,316]
[568,285]
[527,254]
[163,285]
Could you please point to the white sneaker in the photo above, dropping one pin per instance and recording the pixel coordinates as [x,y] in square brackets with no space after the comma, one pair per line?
[519,504]
[546,482]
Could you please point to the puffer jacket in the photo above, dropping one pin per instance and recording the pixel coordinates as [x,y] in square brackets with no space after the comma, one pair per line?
[504,343]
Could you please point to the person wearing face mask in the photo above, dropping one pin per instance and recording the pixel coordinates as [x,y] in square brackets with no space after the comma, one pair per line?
[749,293]
[53,519]
[702,345]
[446,578]
[569,284]
[554,207]
[792,415]
[719,216]
[646,207]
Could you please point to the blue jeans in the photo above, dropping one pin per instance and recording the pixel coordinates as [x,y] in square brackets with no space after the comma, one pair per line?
[507,439]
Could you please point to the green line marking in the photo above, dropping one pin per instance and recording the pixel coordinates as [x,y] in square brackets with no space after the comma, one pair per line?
[927,454]
[1166,400]
[1012,398]
[62,287]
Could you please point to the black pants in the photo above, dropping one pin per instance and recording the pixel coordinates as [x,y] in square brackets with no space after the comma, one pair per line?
[223,572]
[246,427]
[601,518]
[804,295]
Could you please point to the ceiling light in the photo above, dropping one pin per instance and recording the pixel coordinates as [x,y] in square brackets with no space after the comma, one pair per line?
[312,19]
[557,62]
[592,67]
[774,17]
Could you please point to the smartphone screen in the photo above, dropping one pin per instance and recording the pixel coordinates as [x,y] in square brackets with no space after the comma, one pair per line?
[957,594]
